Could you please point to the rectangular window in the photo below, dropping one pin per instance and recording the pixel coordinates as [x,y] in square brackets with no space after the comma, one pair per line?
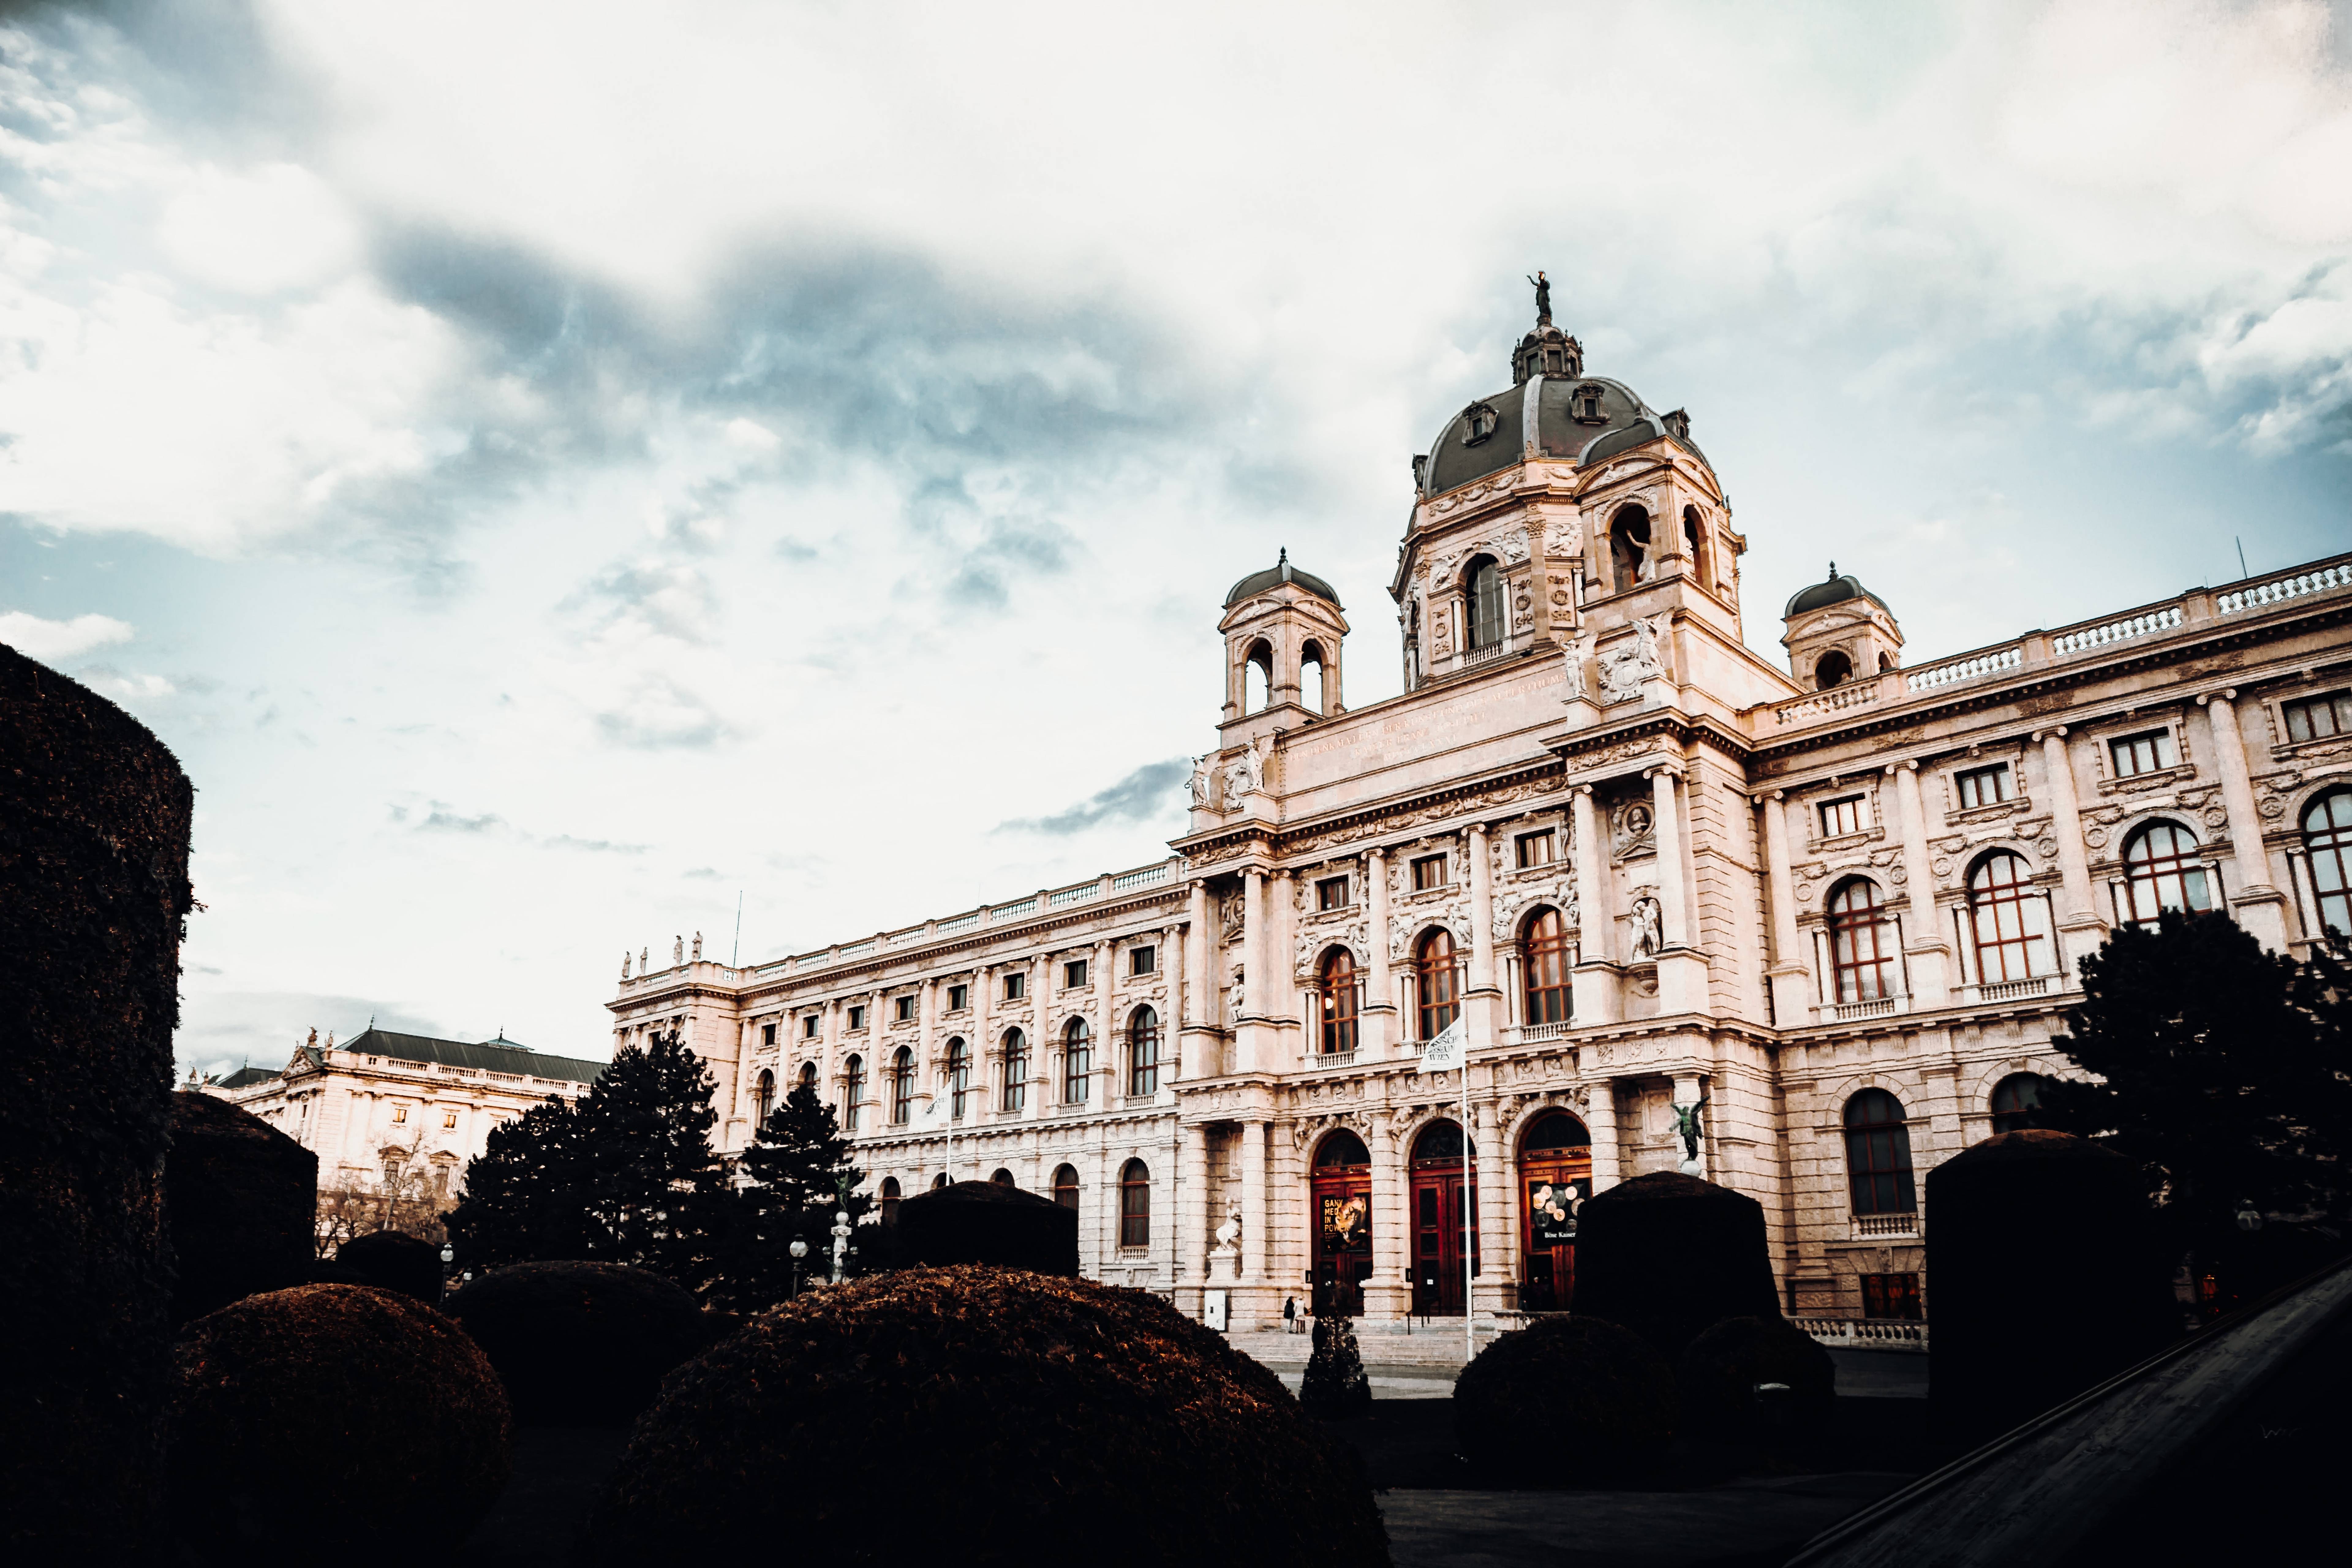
[766,1034]
[1429,871]
[1535,848]
[1017,985]
[1331,893]
[857,1017]
[1142,960]
[808,1027]
[449,1119]
[1074,973]
[2317,718]
[2135,754]
[1983,786]
[959,998]
[1891,1296]
[1840,817]
[400,1113]
[905,1009]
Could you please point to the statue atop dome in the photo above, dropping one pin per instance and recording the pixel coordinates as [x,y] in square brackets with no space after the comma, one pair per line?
[1543,298]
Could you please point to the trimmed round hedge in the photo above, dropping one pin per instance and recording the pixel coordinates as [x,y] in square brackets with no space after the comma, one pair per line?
[580,1344]
[1667,1256]
[391,1260]
[328,1420]
[1717,1374]
[984,1416]
[242,1200]
[1563,1399]
[985,1222]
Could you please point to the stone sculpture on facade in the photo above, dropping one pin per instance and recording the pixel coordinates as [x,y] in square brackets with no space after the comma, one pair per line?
[1648,926]
[624,965]
[645,960]
[1580,648]
[677,953]
[698,947]
[1203,776]
[1245,775]
[1687,1128]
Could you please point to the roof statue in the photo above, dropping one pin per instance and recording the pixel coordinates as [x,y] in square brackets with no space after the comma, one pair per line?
[1543,298]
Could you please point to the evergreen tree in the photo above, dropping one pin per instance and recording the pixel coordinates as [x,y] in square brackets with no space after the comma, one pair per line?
[2225,1073]
[651,1183]
[791,1176]
[523,1193]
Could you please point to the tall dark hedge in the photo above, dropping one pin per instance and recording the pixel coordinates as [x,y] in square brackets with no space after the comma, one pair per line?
[393,1260]
[983,1222]
[241,1199]
[1564,1400]
[2045,1274]
[93,888]
[580,1343]
[985,1416]
[1669,1256]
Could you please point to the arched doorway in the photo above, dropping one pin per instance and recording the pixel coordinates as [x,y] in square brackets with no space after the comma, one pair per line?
[1440,1211]
[1555,1178]
[1343,1224]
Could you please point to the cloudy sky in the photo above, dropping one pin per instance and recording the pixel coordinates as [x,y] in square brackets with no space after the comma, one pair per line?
[547,470]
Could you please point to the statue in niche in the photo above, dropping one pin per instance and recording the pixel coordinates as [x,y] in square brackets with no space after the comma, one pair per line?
[1687,1128]
[1649,931]
[1201,776]
[1580,648]
[698,947]
[1237,991]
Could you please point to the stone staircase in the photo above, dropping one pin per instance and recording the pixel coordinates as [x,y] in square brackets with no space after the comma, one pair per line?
[1437,1344]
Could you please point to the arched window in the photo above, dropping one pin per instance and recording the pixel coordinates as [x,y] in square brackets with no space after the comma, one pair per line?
[890,1200]
[1315,688]
[808,1074]
[2017,1102]
[1694,544]
[763,1097]
[1339,997]
[1435,980]
[1629,548]
[1878,1154]
[1543,958]
[2327,839]
[1004,1178]
[1832,668]
[2009,919]
[852,1093]
[1257,676]
[2161,872]
[959,1075]
[902,1086]
[938,1181]
[1077,1061]
[1143,1052]
[1134,1205]
[1341,1148]
[1016,1071]
[1066,1186]
[1862,943]
[1488,621]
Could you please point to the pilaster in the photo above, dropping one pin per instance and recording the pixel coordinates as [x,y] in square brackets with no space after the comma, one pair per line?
[1791,977]
[1926,954]
[2079,925]
[2259,905]
[1597,995]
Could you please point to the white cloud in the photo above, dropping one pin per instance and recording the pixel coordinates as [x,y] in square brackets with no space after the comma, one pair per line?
[259,231]
[52,640]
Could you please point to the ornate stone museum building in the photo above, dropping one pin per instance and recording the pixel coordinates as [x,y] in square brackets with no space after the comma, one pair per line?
[1834,905]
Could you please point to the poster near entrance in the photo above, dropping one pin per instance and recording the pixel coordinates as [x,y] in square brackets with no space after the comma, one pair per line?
[1343,1225]
[1555,1179]
[1553,1204]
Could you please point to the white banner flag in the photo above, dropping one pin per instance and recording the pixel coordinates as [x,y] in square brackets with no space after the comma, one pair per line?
[936,1113]
[1446,1053]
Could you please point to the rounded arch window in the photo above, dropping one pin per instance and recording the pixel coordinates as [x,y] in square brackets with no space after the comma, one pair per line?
[1340,1148]
[2327,840]
[1554,1130]
[1004,1178]
[1077,1061]
[1488,622]
[1436,982]
[1066,1186]
[1543,958]
[1340,995]
[1832,668]
[2017,1102]
[1134,1205]
[2009,919]
[1016,1069]
[902,1085]
[938,1181]
[890,1200]
[763,1097]
[1878,1154]
[808,1074]
[1143,1052]
[959,1075]
[1441,1140]
[1315,689]
[1629,548]
[1695,543]
[1862,943]
[2161,871]
[852,1093]
[1257,676]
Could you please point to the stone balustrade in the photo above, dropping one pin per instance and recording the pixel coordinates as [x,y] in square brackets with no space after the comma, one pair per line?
[1847,1333]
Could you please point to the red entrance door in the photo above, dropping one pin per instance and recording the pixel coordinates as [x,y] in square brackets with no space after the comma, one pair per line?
[1444,1223]
[1555,1178]
[1343,1224]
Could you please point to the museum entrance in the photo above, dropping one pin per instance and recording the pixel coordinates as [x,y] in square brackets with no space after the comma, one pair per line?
[1442,1203]
[1343,1224]
[1555,1178]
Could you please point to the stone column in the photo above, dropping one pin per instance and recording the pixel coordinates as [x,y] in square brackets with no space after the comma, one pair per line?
[1377,1024]
[1253,1218]
[1924,950]
[1388,1291]
[1682,970]
[1192,1228]
[1256,984]
[1791,977]
[927,1042]
[1596,978]
[1108,1050]
[1497,1275]
[1482,911]
[1601,1121]
[2259,905]
[1041,1045]
[1197,1002]
[2079,925]
[983,1042]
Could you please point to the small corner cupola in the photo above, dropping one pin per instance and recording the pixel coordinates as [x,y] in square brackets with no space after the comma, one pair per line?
[1545,351]
[1837,631]
[1283,630]
[1281,571]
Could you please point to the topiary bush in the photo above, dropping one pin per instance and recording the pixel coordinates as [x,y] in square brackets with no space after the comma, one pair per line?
[1335,1385]
[242,1200]
[580,1344]
[393,1260]
[93,888]
[1667,1255]
[1563,1399]
[983,1222]
[1717,1376]
[982,1415]
[331,1420]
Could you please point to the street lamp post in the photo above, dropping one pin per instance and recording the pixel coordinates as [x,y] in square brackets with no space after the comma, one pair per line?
[449,1255]
[799,1250]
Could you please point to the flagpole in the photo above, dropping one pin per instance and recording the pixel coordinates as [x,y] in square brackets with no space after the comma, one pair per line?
[1469,1206]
